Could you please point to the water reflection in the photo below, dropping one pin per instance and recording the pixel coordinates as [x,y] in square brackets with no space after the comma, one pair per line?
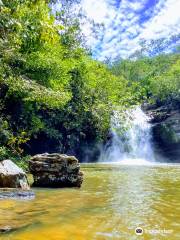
[112,202]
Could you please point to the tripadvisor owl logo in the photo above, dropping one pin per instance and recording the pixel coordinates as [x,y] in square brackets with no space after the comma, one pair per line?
[139,231]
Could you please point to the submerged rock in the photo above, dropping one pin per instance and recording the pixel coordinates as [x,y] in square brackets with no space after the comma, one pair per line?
[14,193]
[5,229]
[11,176]
[55,170]
[17,227]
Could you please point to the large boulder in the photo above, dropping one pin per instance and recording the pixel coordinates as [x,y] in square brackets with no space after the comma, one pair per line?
[55,170]
[11,176]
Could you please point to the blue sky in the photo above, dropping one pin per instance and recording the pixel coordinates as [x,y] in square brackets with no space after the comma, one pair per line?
[127,22]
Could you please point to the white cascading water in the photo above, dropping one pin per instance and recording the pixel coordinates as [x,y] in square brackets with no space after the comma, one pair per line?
[131,138]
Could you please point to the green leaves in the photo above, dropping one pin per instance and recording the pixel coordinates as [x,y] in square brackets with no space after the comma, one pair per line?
[27,90]
[153,79]
[167,85]
[53,93]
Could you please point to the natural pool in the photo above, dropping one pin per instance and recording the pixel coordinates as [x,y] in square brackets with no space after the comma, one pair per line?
[113,200]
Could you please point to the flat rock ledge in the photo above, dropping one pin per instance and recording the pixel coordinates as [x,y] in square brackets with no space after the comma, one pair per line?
[55,170]
[15,193]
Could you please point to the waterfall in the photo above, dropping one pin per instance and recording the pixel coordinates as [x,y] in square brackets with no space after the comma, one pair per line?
[130,140]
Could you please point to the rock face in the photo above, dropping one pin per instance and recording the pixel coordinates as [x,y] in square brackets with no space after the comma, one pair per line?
[55,170]
[11,176]
[166,131]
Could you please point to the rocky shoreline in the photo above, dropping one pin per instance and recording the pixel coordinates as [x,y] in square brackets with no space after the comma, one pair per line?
[48,170]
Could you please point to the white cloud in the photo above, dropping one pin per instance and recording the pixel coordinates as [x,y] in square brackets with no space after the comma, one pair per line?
[122,27]
[135,6]
[99,10]
[165,23]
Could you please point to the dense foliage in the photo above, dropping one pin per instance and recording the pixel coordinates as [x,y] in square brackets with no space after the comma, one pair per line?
[157,79]
[53,95]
